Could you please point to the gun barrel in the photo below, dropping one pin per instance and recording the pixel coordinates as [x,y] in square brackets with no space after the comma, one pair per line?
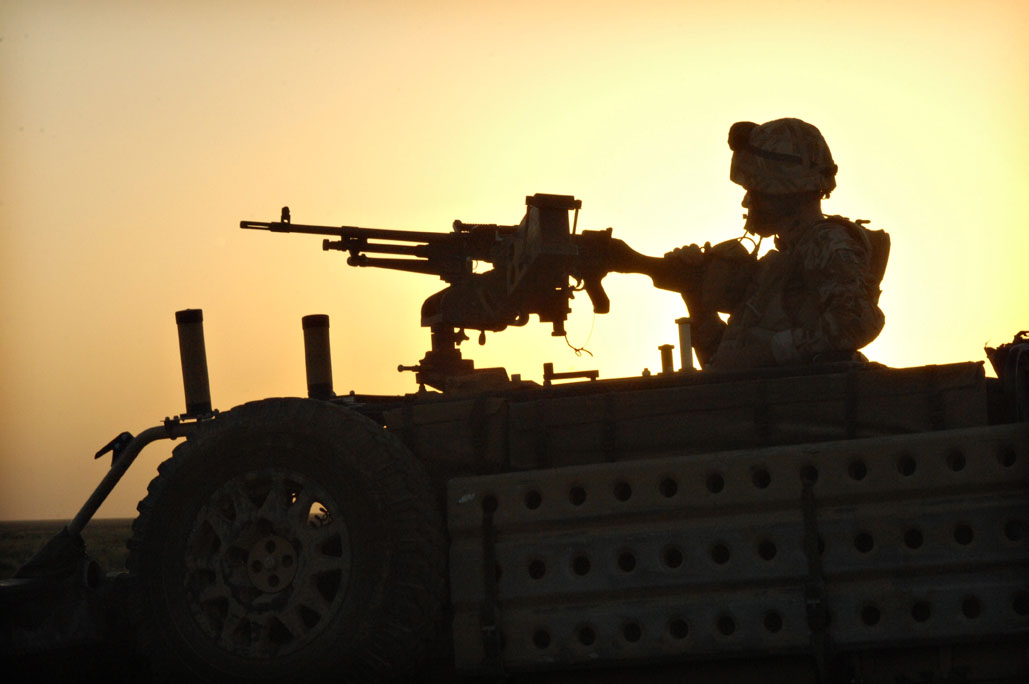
[350,232]
[421,251]
[408,265]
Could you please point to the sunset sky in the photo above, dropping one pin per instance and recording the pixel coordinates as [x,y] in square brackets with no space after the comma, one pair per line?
[135,136]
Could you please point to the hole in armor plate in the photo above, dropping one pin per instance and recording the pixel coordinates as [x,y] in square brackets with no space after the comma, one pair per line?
[971,607]
[627,561]
[956,460]
[537,569]
[913,539]
[809,474]
[533,499]
[715,483]
[906,465]
[863,542]
[1014,530]
[761,478]
[766,549]
[921,611]
[581,564]
[678,628]
[489,503]
[541,638]
[870,615]
[622,490]
[668,487]
[586,635]
[963,534]
[1020,602]
[1006,455]
[720,554]
[857,470]
[577,495]
[632,632]
[773,621]
[726,625]
[672,557]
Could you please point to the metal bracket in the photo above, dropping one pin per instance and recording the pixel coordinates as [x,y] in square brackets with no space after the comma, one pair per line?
[116,446]
[549,375]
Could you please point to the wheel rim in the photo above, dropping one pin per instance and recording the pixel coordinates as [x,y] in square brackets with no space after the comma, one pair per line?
[267,563]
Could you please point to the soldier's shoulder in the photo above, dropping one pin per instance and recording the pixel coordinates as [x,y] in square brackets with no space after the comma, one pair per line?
[840,233]
[829,235]
[838,240]
[832,240]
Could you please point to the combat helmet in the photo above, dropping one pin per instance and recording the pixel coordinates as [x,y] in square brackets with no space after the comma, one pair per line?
[781,157]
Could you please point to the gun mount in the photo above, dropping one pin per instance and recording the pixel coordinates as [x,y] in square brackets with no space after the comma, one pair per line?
[538,265]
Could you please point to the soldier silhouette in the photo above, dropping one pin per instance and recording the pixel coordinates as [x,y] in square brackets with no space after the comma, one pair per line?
[814,298]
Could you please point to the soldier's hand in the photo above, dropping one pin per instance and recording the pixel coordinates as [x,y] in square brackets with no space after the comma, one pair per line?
[688,256]
[729,249]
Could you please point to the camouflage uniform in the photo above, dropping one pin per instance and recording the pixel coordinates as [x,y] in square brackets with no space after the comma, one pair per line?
[814,298]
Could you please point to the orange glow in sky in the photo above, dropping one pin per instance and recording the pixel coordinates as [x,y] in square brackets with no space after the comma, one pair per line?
[135,136]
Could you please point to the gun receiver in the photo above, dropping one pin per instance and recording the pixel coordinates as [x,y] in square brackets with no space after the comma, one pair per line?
[534,264]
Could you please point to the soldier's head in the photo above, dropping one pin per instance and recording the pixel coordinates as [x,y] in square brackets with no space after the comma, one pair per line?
[784,165]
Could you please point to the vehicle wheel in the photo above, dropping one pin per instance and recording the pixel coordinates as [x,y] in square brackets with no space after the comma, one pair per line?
[288,540]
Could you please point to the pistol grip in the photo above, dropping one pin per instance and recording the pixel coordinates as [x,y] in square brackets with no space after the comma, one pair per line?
[595,289]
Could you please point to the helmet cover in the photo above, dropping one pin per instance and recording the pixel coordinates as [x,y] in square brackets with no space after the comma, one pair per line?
[781,157]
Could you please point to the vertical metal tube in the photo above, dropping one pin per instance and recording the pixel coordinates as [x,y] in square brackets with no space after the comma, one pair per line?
[685,343]
[193,356]
[548,374]
[667,365]
[318,356]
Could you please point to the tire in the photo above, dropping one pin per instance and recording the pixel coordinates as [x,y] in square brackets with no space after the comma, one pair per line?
[289,540]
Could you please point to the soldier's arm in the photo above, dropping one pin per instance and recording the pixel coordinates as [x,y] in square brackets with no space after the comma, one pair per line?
[706,330]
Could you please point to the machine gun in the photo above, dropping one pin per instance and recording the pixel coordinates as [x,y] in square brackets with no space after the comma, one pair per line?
[534,264]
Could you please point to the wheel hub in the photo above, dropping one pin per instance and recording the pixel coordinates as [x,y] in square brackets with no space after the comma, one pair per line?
[267,563]
[272,564]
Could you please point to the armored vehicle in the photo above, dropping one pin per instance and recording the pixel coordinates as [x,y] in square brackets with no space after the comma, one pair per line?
[830,522]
